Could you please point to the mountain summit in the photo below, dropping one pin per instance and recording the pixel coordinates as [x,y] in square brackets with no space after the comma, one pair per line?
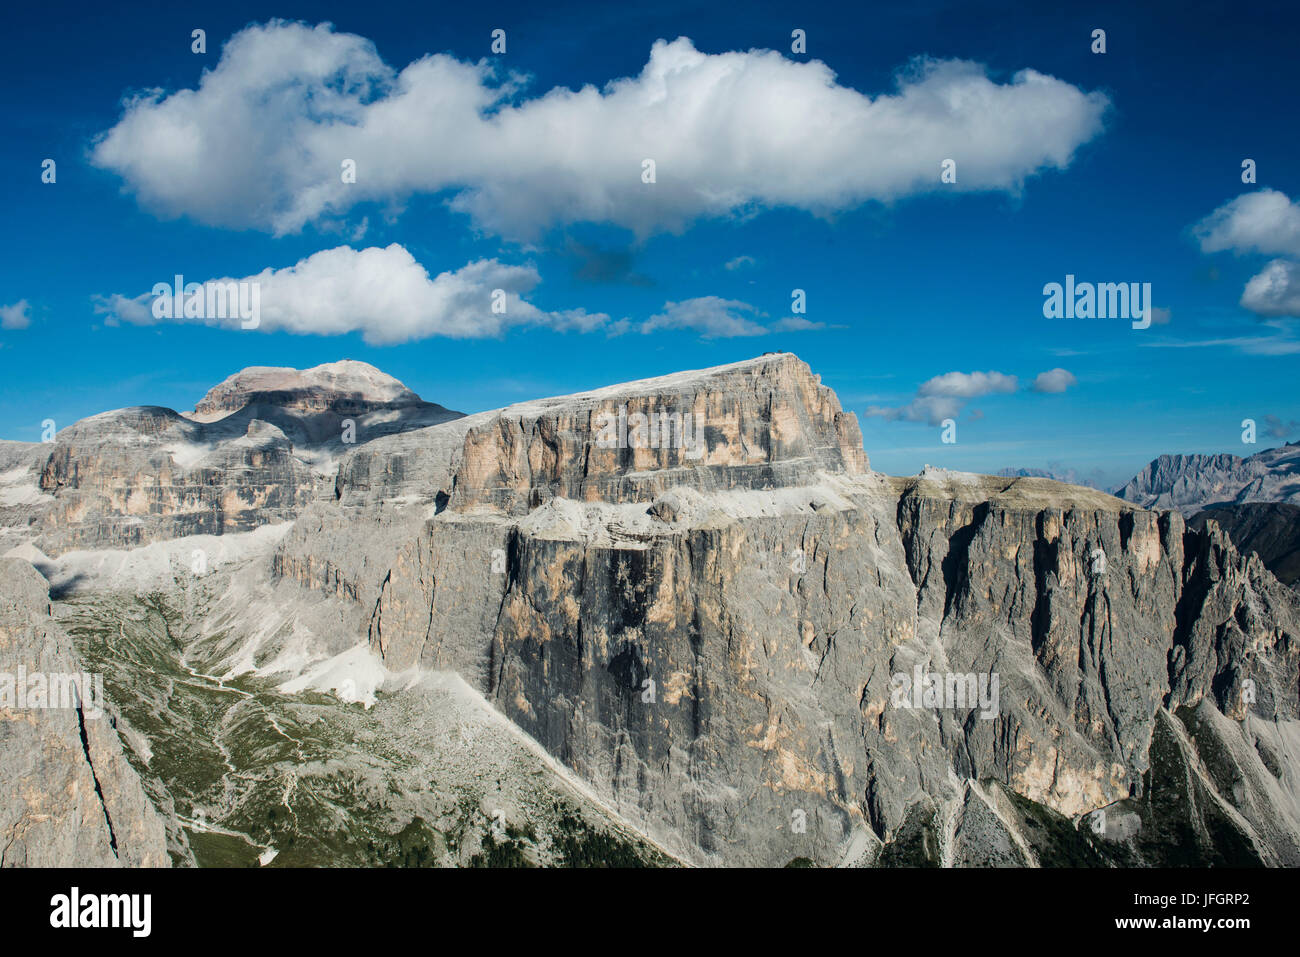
[336,386]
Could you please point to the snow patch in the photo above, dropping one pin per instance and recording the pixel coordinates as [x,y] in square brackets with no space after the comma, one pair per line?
[354,675]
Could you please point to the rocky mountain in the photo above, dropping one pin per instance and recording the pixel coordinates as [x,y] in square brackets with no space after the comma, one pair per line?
[257,449]
[728,639]
[348,387]
[1270,530]
[1190,483]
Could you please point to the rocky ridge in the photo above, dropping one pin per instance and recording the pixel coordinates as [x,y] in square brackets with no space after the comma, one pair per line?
[712,637]
[1191,483]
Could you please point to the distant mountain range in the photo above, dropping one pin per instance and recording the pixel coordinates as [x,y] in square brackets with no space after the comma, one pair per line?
[1191,483]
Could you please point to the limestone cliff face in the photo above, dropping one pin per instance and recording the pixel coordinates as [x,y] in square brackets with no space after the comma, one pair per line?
[258,448]
[715,646]
[764,423]
[712,630]
[68,796]
[759,424]
[134,476]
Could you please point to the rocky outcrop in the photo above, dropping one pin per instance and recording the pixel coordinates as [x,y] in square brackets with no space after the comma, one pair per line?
[347,387]
[257,450]
[131,477]
[68,796]
[763,423]
[1271,530]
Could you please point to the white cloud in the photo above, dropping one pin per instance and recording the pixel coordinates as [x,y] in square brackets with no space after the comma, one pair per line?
[386,295]
[1264,221]
[716,318]
[259,143]
[1267,222]
[797,324]
[740,262]
[1275,291]
[711,316]
[1054,381]
[944,396]
[968,385]
[17,316]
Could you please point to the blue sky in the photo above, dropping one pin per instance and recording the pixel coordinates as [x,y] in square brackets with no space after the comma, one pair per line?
[906,279]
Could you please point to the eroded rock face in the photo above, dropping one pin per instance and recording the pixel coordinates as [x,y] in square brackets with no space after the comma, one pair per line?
[717,654]
[68,796]
[714,636]
[135,476]
[257,450]
[348,386]
[1269,529]
[766,423]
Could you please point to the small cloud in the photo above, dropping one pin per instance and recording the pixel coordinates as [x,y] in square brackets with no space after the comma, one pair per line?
[1054,381]
[1275,428]
[796,324]
[711,316]
[1275,291]
[968,385]
[944,396]
[17,316]
[1265,221]
[740,262]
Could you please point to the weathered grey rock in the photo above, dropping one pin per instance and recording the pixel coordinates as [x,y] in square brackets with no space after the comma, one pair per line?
[1269,529]
[772,596]
[1191,483]
[130,477]
[714,641]
[68,795]
[257,450]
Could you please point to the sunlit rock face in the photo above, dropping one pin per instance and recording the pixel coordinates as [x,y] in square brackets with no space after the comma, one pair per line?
[258,448]
[68,795]
[715,645]
[749,646]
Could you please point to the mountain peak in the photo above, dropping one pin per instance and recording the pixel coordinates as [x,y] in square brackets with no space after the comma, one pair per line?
[345,385]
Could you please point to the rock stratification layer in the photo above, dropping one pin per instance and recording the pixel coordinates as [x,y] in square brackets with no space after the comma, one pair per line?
[258,448]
